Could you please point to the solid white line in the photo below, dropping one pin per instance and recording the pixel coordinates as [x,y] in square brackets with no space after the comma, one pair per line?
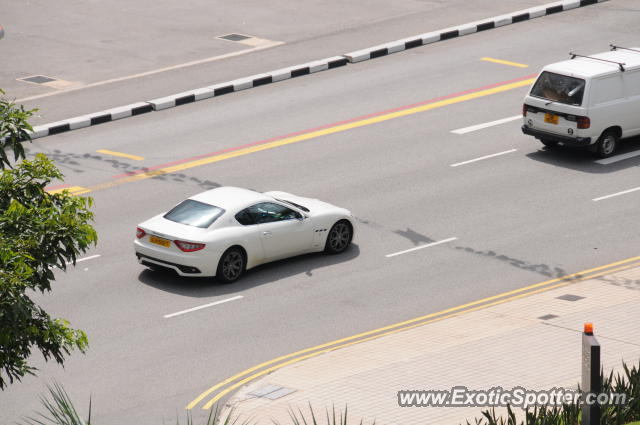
[483,157]
[611,160]
[421,247]
[202,306]
[91,257]
[156,71]
[485,125]
[624,192]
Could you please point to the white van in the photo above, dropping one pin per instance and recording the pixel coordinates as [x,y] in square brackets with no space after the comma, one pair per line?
[590,101]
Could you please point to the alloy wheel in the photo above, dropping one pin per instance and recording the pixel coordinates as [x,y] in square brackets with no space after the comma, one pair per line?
[232,265]
[339,237]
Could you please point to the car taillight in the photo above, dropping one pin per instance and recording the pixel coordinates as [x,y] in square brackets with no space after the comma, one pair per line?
[584,122]
[189,246]
[524,110]
[140,233]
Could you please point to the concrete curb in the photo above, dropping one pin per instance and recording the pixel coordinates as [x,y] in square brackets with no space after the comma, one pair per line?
[247,82]
[469,28]
[304,69]
[91,119]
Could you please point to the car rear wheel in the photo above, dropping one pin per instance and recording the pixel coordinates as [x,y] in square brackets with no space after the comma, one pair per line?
[339,237]
[607,144]
[231,266]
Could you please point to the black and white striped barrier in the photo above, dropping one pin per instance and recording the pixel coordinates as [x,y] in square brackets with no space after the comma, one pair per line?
[305,69]
[470,28]
[90,119]
[247,82]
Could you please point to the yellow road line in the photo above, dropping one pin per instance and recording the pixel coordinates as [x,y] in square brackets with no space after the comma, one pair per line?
[503,62]
[314,134]
[408,324]
[74,190]
[124,155]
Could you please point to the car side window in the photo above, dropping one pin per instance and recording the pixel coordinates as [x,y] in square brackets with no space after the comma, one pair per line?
[268,212]
[245,217]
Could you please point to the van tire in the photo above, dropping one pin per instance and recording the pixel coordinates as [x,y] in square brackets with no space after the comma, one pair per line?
[607,144]
[549,143]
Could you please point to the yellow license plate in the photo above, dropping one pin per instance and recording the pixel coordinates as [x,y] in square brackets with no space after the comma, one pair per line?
[551,118]
[160,241]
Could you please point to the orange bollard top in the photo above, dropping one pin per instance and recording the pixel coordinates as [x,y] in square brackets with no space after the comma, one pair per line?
[588,328]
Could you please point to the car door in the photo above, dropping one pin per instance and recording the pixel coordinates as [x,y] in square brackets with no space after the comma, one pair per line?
[283,231]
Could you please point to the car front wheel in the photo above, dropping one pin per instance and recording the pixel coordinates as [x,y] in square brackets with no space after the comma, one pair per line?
[339,237]
[231,266]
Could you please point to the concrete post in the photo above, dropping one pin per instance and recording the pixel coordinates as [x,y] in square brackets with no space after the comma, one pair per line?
[591,385]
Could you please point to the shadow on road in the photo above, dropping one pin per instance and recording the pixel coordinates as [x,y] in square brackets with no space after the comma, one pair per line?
[302,266]
[585,161]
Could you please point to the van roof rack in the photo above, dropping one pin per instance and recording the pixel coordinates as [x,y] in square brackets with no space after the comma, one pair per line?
[620,64]
[614,47]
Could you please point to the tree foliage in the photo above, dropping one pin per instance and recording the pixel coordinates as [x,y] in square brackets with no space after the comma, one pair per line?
[38,231]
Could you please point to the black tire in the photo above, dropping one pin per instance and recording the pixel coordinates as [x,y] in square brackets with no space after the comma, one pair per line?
[549,143]
[339,237]
[231,266]
[607,144]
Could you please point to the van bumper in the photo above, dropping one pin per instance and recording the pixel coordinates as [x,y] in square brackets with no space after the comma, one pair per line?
[565,140]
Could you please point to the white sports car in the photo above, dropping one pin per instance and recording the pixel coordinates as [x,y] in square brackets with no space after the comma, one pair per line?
[223,232]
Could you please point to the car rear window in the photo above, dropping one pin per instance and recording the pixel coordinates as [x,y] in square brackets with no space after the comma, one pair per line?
[194,213]
[559,88]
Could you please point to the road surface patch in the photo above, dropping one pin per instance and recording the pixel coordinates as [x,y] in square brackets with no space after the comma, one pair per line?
[470,28]
[374,118]
[482,158]
[617,158]
[120,154]
[504,62]
[428,245]
[73,190]
[476,127]
[190,310]
[247,82]
[624,192]
[305,69]
[267,367]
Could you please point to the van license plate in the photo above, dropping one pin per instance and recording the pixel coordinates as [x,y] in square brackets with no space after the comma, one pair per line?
[551,118]
[160,241]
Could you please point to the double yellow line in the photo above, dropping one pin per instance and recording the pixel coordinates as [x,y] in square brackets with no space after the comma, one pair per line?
[225,387]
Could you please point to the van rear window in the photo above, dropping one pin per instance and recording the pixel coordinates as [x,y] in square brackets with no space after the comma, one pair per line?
[559,88]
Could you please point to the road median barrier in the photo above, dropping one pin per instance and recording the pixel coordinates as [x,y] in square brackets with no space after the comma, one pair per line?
[308,68]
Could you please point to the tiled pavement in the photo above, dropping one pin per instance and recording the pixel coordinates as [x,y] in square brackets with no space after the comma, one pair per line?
[505,345]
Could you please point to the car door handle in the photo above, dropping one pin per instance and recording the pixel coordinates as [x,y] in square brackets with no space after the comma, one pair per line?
[267,233]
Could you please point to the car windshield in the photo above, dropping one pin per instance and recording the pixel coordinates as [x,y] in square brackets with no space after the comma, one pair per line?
[305,209]
[559,88]
[194,213]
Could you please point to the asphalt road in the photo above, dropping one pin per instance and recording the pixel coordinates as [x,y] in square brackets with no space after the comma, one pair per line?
[520,217]
[97,51]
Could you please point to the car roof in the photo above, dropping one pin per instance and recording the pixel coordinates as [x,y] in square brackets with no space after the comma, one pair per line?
[231,198]
[586,68]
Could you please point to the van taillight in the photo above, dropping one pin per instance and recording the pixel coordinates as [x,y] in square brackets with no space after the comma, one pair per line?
[524,110]
[584,122]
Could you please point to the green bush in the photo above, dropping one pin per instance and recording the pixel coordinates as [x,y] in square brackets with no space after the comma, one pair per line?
[569,414]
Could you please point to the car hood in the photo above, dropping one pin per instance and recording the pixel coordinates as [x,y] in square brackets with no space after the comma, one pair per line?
[314,205]
[163,227]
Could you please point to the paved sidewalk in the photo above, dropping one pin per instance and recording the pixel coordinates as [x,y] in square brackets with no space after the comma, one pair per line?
[506,345]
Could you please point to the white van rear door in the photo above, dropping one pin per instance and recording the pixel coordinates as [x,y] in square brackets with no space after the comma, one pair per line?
[554,103]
